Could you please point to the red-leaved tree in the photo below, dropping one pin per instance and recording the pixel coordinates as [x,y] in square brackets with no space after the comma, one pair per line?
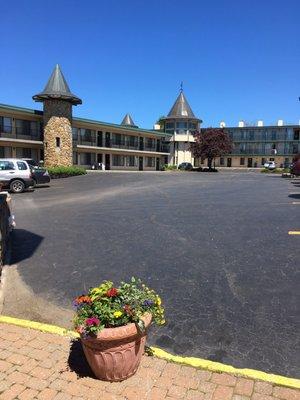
[211,143]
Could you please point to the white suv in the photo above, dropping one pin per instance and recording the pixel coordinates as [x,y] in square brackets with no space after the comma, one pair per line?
[15,174]
[270,165]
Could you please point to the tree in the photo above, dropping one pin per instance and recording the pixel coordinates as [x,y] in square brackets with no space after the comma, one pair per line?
[210,143]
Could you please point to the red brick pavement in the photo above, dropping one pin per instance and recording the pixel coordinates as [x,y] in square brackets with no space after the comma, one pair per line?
[42,366]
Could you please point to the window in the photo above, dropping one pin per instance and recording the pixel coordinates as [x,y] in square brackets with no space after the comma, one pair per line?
[150,143]
[21,166]
[6,166]
[25,127]
[263,160]
[170,125]
[221,160]
[150,162]
[5,124]
[132,141]
[2,152]
[242,161]
[75,134]
[251,135]
[85,158]
[57,141]
[23,152]
[296,135]
[181,125]
[131,161]
[192,126]
[86,135]
[118,161]
[273,135]
[295,148]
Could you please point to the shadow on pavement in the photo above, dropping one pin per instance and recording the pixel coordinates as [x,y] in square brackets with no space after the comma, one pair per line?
[24,245]
[295,196]
[77,361]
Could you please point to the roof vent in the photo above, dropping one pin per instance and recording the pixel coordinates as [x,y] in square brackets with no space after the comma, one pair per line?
[241,124]
[280,122]
[222,124]
[260,123]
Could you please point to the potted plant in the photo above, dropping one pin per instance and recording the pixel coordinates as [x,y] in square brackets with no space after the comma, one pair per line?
[112,322]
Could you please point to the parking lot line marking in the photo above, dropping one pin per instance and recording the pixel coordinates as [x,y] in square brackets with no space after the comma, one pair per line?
[294,232]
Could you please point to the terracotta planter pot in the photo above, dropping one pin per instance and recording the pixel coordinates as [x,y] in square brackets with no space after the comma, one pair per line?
[115,354]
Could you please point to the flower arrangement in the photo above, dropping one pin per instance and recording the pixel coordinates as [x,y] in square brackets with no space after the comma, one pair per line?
[107,306]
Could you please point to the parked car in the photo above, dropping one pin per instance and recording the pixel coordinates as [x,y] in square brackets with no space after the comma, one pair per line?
[186,166]
[40,175]
[270,165]
[15,174]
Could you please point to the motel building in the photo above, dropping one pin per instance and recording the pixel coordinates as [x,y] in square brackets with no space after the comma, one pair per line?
[56,137]
[253,145]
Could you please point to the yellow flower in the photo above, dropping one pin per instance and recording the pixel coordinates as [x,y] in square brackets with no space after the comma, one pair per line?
[118,314]
[158,300]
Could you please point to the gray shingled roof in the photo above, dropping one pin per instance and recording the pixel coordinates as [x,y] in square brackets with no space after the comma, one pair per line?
[181,108]
[128,121]
[57,88]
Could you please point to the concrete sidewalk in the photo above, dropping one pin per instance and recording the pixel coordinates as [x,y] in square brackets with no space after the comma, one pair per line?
[37,365]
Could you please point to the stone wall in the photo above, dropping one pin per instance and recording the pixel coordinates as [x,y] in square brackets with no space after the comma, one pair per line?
[58,127]
[4,227]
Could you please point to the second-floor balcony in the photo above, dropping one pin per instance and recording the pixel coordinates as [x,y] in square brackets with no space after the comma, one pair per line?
[136,145]
[7,132]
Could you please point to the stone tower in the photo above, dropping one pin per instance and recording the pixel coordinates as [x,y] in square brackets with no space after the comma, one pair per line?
[57,102]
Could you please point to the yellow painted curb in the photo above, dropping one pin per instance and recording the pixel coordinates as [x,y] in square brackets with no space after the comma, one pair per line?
[190,361]
[39,326]
[219,367]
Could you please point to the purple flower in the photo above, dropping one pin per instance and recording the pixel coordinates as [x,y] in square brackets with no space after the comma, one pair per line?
[148,303]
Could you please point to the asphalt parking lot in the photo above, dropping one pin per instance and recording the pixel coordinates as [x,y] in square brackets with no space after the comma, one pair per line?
[215,246]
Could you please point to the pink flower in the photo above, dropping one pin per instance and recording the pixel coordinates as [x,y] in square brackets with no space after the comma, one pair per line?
[93,321]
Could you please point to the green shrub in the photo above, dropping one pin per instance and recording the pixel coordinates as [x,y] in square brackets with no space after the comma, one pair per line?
[169,167]
[65,172]
[274,171]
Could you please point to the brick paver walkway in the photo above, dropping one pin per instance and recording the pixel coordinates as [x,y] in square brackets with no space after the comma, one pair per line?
[35,365]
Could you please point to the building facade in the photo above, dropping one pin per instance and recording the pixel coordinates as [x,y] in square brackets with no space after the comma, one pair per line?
[58,138]
[252,145]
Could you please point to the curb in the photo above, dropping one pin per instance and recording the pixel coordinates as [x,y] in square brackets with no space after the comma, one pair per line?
[190,361]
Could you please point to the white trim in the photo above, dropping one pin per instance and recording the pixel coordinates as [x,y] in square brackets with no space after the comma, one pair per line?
[20,141]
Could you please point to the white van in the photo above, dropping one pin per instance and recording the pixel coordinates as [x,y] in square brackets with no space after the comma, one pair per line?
[15,174]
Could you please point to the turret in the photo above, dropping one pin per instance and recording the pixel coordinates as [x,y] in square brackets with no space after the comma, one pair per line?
[57,102]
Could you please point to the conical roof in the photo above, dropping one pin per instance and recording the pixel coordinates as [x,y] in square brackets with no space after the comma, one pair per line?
[181,108]
[128,121]
[57,88]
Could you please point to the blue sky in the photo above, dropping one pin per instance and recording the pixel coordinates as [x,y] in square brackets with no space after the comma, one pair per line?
[237,59]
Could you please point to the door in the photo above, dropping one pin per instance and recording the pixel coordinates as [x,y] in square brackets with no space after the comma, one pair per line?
[99,139]
[141,143]
[107,161]
[158,145]
[157,164]
[250,162]
[229,162]
[99,158]
[141,163]
[107,139]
